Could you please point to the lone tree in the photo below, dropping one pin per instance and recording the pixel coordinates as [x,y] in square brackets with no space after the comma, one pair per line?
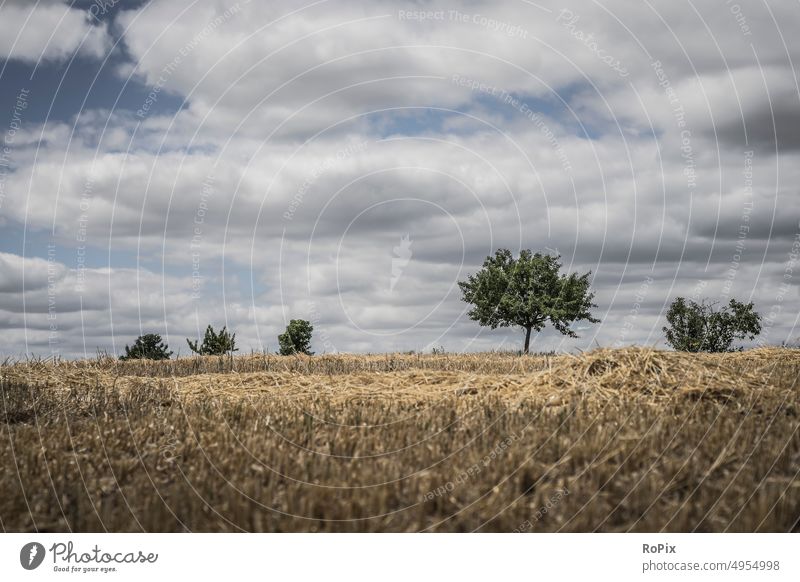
[147,347]
[214,344]
[699,327]
[527,292]
[296,339]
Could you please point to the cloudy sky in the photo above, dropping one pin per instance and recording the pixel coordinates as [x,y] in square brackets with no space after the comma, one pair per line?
[173,163]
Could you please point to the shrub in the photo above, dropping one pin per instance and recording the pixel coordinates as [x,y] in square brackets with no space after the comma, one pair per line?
[147,347]
[214,344]
[296,339]
[699,327]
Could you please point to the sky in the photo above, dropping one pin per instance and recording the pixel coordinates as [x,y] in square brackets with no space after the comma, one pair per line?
[170,164]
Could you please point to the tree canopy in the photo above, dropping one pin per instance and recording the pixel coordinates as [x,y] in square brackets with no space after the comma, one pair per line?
[147,347]
[296,339]
[214,344]
[700,327]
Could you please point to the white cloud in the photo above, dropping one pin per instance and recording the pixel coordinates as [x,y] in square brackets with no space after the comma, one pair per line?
[321,114]
[34,31]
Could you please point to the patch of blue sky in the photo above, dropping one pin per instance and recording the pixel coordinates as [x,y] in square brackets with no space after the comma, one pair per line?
[59,91]
[511,107]
[69,252]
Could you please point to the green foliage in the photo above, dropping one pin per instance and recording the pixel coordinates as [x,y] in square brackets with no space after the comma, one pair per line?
[147,347]
[527,292]
[215,344]
[699,327]
[296,339]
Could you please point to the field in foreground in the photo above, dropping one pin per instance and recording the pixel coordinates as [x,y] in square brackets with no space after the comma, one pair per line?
[613,440]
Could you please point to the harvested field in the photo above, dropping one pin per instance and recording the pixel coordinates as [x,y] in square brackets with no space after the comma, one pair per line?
[612,440]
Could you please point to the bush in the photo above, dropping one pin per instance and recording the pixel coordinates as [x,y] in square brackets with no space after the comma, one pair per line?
[699,327]
[147,347]
[296,339]
[214,344]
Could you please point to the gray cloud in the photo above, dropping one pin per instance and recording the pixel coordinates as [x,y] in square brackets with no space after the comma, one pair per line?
[347,119]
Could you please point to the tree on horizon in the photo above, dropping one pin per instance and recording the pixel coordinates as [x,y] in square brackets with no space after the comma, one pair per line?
[147,347]
[527,292]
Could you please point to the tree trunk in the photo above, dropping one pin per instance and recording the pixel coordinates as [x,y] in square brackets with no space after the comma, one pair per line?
[527,339]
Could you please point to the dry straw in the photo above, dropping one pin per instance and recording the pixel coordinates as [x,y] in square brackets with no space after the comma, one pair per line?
[642,440]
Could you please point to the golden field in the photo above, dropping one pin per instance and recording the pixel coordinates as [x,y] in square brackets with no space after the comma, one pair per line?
[612,440]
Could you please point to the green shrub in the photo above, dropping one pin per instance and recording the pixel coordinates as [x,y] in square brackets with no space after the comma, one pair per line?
[699,327]
[214,344]
[296,339]
[147,347]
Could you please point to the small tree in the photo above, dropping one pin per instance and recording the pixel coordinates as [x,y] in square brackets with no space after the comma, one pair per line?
[527,292]
[147,347]
[699,327]
[296,339]
[214,344]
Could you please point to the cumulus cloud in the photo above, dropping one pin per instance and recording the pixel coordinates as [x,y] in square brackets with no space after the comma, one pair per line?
[651,145]
[15,277]
[33,31]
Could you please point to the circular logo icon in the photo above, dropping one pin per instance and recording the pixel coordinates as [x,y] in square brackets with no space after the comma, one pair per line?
[31,555]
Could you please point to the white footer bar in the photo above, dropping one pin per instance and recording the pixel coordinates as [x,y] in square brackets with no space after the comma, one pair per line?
[400,557]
